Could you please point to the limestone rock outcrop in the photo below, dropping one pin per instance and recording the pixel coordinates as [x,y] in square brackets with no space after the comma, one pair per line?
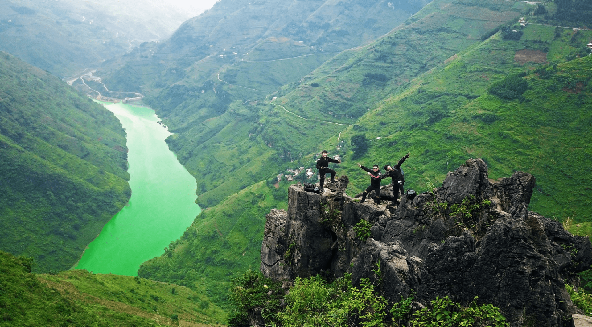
[470,237]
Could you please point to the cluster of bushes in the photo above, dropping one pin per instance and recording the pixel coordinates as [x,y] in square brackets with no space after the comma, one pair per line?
[510,88]
[315,302]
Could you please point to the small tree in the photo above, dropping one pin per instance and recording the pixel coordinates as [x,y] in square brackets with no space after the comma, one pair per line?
[510,88]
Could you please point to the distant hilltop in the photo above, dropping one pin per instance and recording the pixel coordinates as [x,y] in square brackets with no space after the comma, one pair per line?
[470,237]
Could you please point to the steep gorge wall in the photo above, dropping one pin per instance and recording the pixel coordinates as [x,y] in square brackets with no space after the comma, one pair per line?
[470,237]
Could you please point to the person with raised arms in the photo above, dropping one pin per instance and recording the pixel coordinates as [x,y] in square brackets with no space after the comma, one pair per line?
[375,178]
[398,178]
[323,167]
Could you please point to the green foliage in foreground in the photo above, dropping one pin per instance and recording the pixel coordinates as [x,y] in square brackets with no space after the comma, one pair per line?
[362,229]
[582,296]
[581,299]
[443,312]
[314,302]
[252,290]
[79,298]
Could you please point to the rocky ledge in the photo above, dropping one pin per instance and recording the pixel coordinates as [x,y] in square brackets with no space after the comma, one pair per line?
[470,237]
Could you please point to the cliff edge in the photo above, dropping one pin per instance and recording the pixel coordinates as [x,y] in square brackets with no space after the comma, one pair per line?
[470,237]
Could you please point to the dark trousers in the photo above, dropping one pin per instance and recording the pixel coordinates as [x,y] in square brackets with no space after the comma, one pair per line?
[322,173]
[396,189]
[371,188]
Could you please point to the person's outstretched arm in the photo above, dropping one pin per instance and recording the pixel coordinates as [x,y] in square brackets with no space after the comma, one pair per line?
[402,160]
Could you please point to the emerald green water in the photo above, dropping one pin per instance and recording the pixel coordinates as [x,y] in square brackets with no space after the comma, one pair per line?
[162,204]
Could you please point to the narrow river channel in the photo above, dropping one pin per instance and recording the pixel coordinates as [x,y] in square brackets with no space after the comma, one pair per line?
[162,204]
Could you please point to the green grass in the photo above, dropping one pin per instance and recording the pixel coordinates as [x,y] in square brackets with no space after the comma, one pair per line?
[578,228]
[156,301]
[80,298]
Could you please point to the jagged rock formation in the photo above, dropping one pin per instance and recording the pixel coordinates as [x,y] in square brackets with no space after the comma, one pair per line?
[470,237]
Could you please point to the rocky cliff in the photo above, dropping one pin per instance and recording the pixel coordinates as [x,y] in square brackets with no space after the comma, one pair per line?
[470,237]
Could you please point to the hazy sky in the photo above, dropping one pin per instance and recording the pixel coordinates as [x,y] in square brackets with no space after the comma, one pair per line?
[194,6]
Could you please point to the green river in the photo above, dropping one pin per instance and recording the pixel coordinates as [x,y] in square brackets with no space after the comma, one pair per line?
[162,204]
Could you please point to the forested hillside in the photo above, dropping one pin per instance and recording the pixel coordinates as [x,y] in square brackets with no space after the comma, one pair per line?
[241,49]
[62,165]
[459,79]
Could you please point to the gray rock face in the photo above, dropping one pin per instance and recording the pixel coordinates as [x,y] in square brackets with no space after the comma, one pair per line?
[470,237]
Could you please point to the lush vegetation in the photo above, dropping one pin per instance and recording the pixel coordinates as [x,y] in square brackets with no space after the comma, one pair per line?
[581,299]
[581,295]
[254,140]
[63,167]
[79,298]
[446,98]
[315,302]
[579,11]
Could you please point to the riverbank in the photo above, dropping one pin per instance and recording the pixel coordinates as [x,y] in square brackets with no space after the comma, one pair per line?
[162,204]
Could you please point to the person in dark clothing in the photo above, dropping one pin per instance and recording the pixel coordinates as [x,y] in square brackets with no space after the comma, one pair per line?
[398,179]
[323,167]
[375,178]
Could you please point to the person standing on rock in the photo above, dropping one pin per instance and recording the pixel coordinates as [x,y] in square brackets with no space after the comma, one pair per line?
[398,179]
[375,178]
[323,167]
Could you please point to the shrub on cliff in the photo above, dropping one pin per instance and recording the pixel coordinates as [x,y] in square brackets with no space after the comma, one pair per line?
[254,297]
[582,296]
[314,302]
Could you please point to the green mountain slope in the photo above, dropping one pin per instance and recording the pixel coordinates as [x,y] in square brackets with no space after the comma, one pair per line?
[248,48]
[198,77]
[330,98]
[346,87]
[468,87]
[471,108]
[63,167]
[78,298]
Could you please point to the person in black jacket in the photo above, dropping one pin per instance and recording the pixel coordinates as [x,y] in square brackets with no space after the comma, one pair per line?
[323,167]
[375,178]
[398,179]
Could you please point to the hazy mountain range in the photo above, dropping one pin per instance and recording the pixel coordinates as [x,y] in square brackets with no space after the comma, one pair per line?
[66,37]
